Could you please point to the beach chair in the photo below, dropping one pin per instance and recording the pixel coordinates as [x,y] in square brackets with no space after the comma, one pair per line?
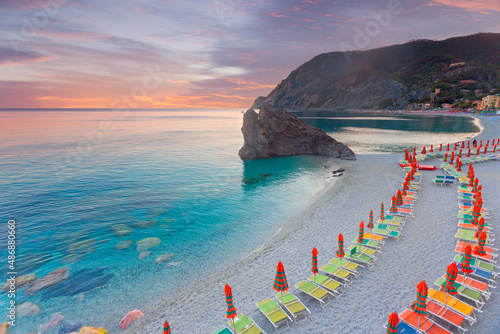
[488,257]
[426,325]
[293,306]
[244,325]
[345,264]
[478,263]
[344,276]
[375,245]
[367,251]
[447,315]
[275,314]
[315,292]
[438,181]
[468,235]
[471,283]
[472,296]
[456,305]
[386,231]
[222,330]
[360,258]
[482,275]
[333,286]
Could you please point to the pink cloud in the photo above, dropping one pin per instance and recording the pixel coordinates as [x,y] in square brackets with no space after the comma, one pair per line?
[481,6]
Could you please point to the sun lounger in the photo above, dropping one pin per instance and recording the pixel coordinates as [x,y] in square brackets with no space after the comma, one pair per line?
[487,249]
[273,312]
[244,325]
[333,286]
[374,237]
[477,263]
[426,325]
[222,330]
[481,274]
[384,230]
[346,277]
[466,235]
[468,226]
[473,297]
[458,306]
[487,258]
[471,283]
[360,258]
[293,306]
[447,315]
[347,265]
[368,251]
[390,227]
[375,245]
[314,291]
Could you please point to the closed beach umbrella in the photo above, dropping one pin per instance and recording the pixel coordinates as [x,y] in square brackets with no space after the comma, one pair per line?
[393,205]
[361,234]
[399,198]
[481,240]
[463,145]
[485,149]
[468,144]
[471,182]
[478,150]
[480,227]
[340,252]
[440,147]
[449,284]
[231,310]
[280,283]
[370,221]
[432,149]
[419,305]
[477,195]
[424,151]
[465,263]
[468,153]
[392,324]
[314,268]
[448,147]
[382,213]
[166,327]
[445,159]
[460,154]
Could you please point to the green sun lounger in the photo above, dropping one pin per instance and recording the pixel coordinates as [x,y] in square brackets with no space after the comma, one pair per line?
[477,263]
[389,227]
[370,243]
[464,234]
[245,325]
[333,286]
[360,258]
[314,291]
[347,265]
[293,306]
[343,275]
[222,330]
[386,232]
[367,251]
[473,296]
[273,312]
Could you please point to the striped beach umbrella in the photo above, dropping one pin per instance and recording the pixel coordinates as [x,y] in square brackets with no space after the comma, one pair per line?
[449,284]
[340,252]
[399,198]
[393,205]
[370,220]
[448,147]
[392,324]
[424,151]
[231,310]
[314,268]
[477,195]
[471,182]
[465,263]
[478,150]
[432,149]
[166,327]
[361,233]
[419,305]
[485,149]
[463,145]
[445,159]
[481,240]
[382,213]
[280,283]
[452,158]
[480,227]
[440,147]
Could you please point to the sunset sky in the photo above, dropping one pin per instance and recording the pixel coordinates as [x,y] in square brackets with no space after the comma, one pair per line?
[179,54]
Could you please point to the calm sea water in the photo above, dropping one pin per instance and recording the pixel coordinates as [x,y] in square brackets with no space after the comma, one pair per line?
[69,177]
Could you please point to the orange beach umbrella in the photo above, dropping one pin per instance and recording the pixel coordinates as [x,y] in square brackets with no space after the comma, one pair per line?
[361,234]
[419,305]
[314,268]
[340,252]
[231,310]
[392,324]
[166,327]
[280,282]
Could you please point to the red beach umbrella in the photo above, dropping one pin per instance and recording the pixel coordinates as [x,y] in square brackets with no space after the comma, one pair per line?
[448,147]
[340,252]
[481,242]
[280,282]
[419,306]
[314,268]
[452,157]
[399,198]
[465,263]
[166,327]
[393,205]
[392,324]
[494,148]
[432,149]
[382,213]
[460,153]
[481,144]
[449,284]
[370,222]
[480,227]
[361,234]
[485,149]
[424,151]
[445,157]
[468,144]
[231,310]
[463,145]
[414,150]
[478,150]
[468,153]
[440,147]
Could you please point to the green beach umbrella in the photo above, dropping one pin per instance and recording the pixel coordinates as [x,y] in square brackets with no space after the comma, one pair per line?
[231,310]
[480,228]
[419,306]
[399,198]
[280,283]
[465,263]
[361,233]
[166,327]
[340,252]
[382,213]
[314,268]
[392,324]
[481,240]
[449,284]
[393,205]
[370,221]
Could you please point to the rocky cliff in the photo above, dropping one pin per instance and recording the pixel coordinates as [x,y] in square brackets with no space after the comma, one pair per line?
[275,132]
[394,76]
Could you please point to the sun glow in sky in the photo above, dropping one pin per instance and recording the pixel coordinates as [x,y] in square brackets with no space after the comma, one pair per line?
[181,54]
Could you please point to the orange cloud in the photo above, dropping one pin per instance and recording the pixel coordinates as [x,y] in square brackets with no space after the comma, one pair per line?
[481,6]
[24,61]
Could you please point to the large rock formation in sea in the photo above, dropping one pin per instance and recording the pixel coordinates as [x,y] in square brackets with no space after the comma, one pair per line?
[394,76]
[275,132]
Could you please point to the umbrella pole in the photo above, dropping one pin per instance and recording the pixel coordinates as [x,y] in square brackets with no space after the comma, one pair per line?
[282,295]
[314,281]
[234,326]
[418,326]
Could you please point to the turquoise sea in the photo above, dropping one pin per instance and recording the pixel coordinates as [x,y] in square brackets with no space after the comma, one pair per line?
[69,177]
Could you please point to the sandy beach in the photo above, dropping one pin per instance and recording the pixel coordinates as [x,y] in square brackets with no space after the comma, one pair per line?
[425,249]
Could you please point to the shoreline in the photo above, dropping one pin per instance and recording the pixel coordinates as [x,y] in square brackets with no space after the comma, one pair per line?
[280,243]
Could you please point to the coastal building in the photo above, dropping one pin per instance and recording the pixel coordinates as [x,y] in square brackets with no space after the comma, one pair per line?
[491,102]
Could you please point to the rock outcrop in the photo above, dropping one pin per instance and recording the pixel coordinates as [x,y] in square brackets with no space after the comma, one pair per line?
[275,132]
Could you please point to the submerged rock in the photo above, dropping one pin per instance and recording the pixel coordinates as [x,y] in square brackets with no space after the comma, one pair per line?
[147,243]
[124,244]
[55,277]
[170,264]
[121,230]
[81,281]
[4,327]
[144,254]
[129,317]
[27,310]
[72,258]
[156,212]
[145,223]
[21,282]
[68,328]
[275,132]
[54,320]
[85,246]
[163,257]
